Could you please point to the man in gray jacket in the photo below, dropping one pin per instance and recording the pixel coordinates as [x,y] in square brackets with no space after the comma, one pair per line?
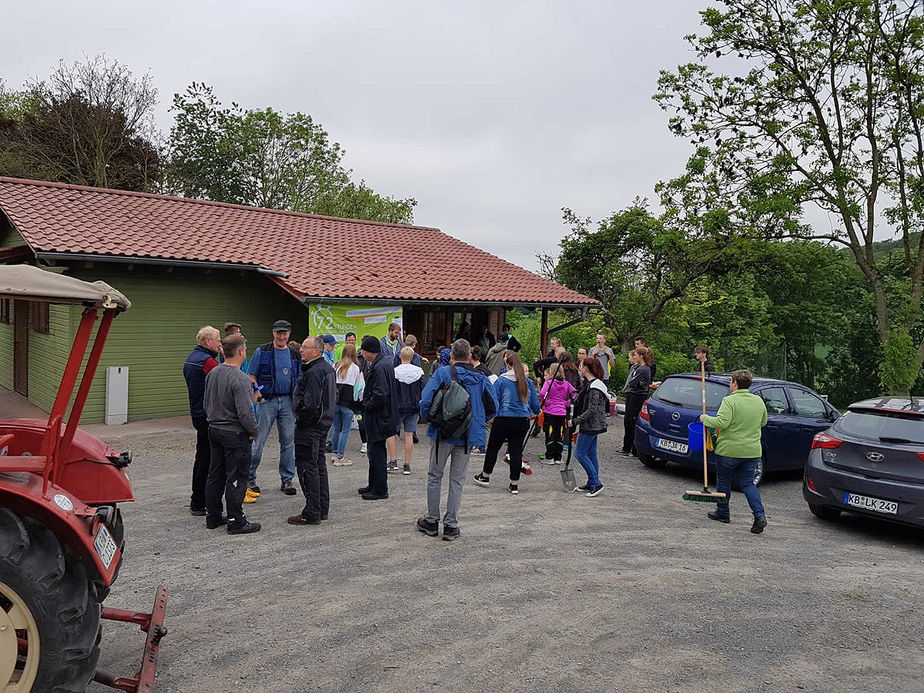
[229,408]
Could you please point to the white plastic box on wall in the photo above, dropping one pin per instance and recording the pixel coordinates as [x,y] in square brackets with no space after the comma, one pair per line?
[116,395]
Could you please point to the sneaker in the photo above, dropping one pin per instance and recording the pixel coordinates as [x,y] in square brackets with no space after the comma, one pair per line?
[526,469]
[477,451]
[197,512]
[549,463]
[211,523]
[558,462]
[406,470]
[244,527]
[513,490]
[416,439]
[287,488]
[594,491]
[392,466]
[364,490]
[542,456]
[329,447]
[362,449]
[759,524]
[250,497]
[254,489]
[428,527]
[342,462]
[720,518]
[374,496]
[482,480]
[450,533]
[582,489]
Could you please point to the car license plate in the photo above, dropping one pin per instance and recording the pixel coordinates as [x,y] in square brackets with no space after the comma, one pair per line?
[105,546]
[672,445]
[875,504]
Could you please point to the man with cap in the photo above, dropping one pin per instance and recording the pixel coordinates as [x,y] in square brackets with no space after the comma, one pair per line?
[274,370]
[330,342]
[380,415]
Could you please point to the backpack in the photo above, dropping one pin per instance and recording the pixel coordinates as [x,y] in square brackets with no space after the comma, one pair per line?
[451,409]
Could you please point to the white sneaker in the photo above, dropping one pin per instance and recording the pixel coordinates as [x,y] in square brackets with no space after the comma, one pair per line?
[342,462]
[363,449]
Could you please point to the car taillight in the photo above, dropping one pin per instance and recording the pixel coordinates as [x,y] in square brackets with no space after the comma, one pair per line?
[825,441]
[644,413]
[810,483]
[921,456]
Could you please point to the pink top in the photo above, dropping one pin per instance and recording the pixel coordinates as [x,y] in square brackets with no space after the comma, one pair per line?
[558,399]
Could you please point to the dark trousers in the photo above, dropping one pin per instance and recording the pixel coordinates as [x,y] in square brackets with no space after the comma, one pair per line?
[378,463]
[511,430]
[634,402]
[228,472]
[361,425]
[311,467]
[554,426]
[200,474]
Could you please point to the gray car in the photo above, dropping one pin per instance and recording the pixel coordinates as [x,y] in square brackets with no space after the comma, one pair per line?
[871,461]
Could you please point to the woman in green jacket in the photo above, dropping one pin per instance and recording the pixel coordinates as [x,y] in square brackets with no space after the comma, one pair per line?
[737,452]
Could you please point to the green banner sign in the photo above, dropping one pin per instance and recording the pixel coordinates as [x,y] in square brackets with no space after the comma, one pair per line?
[339,318]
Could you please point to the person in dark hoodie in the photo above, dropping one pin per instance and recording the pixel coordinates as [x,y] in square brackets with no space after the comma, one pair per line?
[635,390]
[380,415]
[701,354]
[410,386]
[202,359]
[314,402]
[590,415]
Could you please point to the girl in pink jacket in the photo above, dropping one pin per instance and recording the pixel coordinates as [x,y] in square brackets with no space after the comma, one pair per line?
[556,396]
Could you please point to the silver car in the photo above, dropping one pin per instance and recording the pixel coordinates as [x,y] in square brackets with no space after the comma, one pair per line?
[871,461]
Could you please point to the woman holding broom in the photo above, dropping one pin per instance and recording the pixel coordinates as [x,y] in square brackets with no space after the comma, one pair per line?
[590,414]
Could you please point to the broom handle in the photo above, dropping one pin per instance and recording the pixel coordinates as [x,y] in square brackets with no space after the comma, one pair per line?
[702,367]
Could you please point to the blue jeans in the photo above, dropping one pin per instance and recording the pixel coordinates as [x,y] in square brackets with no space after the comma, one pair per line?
[742,469]
[340,431]
[586,453]
[278,410]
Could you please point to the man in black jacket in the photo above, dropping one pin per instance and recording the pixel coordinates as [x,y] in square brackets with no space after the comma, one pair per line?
[202,359]
[315,399]
[380,416]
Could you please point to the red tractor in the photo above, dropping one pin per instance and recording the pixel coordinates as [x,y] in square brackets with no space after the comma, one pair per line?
[61,533]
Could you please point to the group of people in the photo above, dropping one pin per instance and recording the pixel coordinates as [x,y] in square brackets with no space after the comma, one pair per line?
[477,399]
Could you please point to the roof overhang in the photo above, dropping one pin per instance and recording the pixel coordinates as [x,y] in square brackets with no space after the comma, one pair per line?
[447,302]
[52,257]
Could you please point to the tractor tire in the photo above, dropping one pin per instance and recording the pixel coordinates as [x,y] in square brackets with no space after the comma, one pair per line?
[48,600]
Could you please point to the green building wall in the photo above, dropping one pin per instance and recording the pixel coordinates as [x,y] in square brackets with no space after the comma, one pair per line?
[154,337]
[6,353]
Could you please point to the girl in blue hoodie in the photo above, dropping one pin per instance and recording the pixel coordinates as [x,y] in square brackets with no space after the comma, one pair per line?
[517,401]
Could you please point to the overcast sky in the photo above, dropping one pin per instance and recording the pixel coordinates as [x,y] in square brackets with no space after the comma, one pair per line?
[493,115]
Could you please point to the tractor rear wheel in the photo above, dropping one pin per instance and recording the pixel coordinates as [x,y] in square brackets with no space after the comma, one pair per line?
[49,611]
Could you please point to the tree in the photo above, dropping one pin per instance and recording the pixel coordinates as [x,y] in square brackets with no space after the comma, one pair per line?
[824,108]
[264,158]
[636,264]
[90,123]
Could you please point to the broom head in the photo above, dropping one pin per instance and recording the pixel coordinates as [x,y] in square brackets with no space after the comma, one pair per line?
[705,496]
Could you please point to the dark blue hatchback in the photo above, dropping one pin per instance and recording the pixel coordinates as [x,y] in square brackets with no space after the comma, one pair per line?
[795,414]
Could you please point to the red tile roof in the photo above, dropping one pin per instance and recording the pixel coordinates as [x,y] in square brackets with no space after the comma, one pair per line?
[323,256]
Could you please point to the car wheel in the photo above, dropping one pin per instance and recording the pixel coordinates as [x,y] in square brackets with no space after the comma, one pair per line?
[824,513]
[651,462]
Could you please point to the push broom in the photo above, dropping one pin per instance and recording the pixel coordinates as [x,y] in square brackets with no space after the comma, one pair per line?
[705,496]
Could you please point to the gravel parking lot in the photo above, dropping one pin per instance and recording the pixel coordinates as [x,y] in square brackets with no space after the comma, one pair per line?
[632,591]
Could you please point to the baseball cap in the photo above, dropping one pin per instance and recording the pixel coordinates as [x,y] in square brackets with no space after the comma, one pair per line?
[282,326]
[329,339]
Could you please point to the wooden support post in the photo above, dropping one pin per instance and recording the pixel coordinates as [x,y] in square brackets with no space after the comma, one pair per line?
[544,333]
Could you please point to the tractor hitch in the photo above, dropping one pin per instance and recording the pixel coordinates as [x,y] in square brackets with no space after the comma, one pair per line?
[151,623]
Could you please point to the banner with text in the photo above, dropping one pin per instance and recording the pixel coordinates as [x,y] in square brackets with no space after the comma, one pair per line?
[339,318]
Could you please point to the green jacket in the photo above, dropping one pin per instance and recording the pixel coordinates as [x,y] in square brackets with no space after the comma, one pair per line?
[739,420]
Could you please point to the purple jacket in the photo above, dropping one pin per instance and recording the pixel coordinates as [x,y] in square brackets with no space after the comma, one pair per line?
[558,399]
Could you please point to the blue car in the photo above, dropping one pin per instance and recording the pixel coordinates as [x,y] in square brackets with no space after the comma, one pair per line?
[795,414]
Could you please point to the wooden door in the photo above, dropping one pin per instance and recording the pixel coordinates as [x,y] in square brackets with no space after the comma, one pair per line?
[21,347]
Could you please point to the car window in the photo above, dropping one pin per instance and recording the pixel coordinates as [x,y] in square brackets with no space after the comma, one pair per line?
[808,405]
[775,400]
[875,425]
[687,392]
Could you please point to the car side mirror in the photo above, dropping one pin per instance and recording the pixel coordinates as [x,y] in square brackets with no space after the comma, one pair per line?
[833,415]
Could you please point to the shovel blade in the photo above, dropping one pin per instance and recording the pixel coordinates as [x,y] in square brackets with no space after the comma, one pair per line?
[567,478]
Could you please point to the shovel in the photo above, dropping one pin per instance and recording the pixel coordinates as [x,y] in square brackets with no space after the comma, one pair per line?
[567,474]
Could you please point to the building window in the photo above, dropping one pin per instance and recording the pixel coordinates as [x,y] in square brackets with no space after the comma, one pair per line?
[433,330]
[5,310]
[40,316]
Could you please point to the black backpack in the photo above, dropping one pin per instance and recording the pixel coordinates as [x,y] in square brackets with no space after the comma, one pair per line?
[451,409]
